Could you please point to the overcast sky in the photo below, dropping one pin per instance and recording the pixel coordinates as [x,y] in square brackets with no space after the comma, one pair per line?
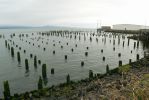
[84,13]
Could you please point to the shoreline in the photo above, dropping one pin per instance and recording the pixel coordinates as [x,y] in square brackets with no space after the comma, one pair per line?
[96,84]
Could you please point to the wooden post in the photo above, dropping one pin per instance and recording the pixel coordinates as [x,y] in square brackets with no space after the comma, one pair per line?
[65,57]
[128,41]
[6,43]
[12,51]
[129,61]
[18,56]
[35,61]
[82,63]
[138,57]
[137,44]
[103,58]
[52,71]
[119,54]
[26,64]
[120,63]
[44,71]
[134,45]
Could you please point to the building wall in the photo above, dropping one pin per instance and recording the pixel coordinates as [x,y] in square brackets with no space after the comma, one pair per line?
[104,28]
[129,27]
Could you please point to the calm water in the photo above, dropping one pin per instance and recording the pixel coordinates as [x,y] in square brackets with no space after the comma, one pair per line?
[20,80]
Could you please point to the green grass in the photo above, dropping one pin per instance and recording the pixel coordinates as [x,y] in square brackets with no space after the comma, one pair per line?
[124,68]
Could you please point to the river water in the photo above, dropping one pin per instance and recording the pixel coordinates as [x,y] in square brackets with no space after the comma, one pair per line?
[21,80]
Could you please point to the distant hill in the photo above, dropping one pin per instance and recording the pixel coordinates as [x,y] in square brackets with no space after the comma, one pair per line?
[50,27]
[14,27]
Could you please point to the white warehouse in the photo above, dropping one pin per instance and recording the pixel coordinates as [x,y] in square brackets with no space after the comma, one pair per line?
[129,27]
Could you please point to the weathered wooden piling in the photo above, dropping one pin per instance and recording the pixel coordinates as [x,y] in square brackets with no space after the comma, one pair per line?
[107,69]
[130,61]
[6,91]
[113,48]
[82,63]
[134,45]
[86,53]
[6,43]
[18,57]
[44,71]
[26,64]
[103,58]
[137,43]
[87,48]
[123,43]
[72,50]
[113,42]
[65,57]
[138,57]
[31,55]
[118,41]
[119,54]
[101,50]
[52,70]
[53,51]
[128,41]
[8,46]
[44,49]
[120,63]
[35,61]
[91,75]
[12,51]
[24,51]
[40,85]
[68,79]
[39,61]
[76,45]
[96,39]
[90,39]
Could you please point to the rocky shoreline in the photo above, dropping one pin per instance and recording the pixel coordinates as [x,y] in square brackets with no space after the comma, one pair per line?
[128,82]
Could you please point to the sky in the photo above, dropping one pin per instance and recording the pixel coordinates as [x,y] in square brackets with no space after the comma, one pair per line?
[75,13]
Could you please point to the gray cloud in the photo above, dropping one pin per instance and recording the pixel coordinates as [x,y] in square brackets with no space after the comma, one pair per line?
[72,12]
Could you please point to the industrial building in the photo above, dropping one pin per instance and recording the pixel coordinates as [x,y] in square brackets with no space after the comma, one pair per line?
[129,27]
